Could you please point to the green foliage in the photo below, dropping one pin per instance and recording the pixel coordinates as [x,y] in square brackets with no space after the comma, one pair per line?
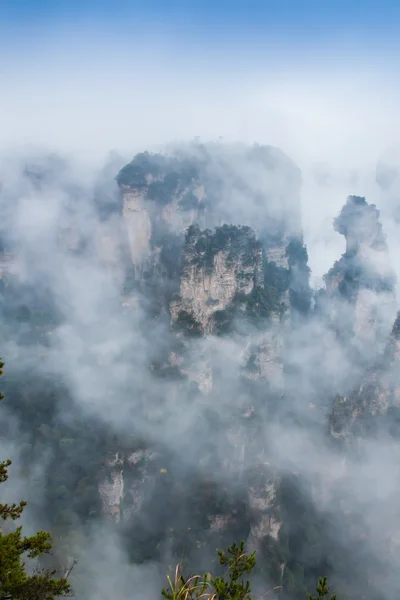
[162,191]
[239,565]
[9,511]
[275,277]
[262,302]
[353,275]
[349,272]
[256,306]
[239,243]
[322,590]
[359,222]
[134,173]
[223,320]
[300,292]
[233,585]
[167,170]
[349,219]
[396,327]
[15,582]
[242,250]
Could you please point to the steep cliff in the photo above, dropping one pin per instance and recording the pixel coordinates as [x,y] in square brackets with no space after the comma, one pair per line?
[204,248]
[374,403]
[210,185]
[217,268]
[360,286]
[161,196]
[228,287]
[361,311]
[127,480]
[240,283]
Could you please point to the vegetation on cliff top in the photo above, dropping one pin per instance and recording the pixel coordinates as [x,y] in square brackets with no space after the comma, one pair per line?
[160,174]
[238,243]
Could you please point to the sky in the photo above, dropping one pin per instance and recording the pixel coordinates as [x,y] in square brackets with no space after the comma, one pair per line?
[318,79]
[242,27]
[255,16]
[51,50]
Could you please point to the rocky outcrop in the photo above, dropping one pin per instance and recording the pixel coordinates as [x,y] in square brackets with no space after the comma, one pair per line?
[361,310]
[217,267]
[357,413]
[161,195]
[128,478]
[363,409]
[138,225]
[277,254]
[235,368]
[264,355]
[235,282]
[111,487]
[360,285]
[209,185]
[266,520]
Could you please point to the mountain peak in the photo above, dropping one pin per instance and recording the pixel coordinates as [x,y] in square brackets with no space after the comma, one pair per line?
[359,222]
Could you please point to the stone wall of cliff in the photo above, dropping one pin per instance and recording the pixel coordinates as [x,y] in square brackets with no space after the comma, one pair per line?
[360,285]
[216,268]
[233,280]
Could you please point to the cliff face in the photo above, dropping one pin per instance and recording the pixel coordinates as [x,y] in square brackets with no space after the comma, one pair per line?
[161,195]
[360,285]
[205,245]
[228,286]
[138,225]
[216,268]
[361,291]
[209,186]
[375,400]
[264,358]
[127,480]
[111,487]
[229,271]
[233,282]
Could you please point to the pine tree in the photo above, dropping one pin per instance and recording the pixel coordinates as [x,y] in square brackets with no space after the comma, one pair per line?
[322,590]
[15,582]
[232,586]
[239,564]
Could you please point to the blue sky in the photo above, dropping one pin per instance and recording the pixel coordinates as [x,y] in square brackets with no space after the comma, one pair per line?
[317,78]
[243,30]
[114,73]
[212,18]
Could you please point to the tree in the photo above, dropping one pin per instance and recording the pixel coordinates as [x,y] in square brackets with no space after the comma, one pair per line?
[232,586]
[15,582]
[322,590]
[239,564]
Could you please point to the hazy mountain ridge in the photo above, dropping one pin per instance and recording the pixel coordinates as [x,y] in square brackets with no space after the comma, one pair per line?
[225,328]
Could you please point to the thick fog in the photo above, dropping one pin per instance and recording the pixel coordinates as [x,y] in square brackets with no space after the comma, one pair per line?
[66,132]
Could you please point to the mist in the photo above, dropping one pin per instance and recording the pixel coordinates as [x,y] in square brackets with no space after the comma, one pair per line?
[67,127]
